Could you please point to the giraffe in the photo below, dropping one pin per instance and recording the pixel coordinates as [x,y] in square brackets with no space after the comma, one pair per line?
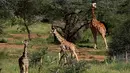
[67,45]
[96,26]
[23,60]
[64,54]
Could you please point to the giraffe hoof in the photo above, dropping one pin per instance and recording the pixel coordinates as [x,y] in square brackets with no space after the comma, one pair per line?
[95,47]
[106,48]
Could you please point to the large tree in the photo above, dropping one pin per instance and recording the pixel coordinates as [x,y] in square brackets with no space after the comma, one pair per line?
[72,15]
[120,43]
[4,13]
[27,10]
[67,15]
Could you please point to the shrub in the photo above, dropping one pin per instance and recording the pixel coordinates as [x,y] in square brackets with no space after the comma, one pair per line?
[3,55]
[120,39]
[37,56]
[3,40]
[75,67]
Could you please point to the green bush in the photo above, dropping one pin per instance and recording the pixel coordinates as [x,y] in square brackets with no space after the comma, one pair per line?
[37,56]
[75,67]
[3,55]
[3,40]
[50,39]
[121,66]
[120,40]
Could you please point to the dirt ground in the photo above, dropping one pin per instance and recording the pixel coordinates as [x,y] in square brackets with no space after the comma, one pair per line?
[82,52]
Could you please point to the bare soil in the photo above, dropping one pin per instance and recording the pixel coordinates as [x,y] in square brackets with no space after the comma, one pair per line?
[26,35]
[82,52]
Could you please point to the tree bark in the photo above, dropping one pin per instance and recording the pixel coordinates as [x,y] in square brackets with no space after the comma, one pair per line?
[28,31]
[126,57]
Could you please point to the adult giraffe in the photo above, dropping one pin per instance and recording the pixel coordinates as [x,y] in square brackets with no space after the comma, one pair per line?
[96,26]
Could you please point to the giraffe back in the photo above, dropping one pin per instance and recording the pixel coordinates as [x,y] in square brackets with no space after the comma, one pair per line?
[69,45]
[98,25]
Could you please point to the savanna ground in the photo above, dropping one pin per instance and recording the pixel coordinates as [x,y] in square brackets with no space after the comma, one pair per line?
[91,60]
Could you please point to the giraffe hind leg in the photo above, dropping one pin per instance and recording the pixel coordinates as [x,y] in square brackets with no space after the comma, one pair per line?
[105,41]
[74,54]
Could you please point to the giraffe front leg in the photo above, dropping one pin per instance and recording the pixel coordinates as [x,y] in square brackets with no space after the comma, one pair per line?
[26,68]
[95,41]
[61,58]
[23,69]
[59,55]
[95,37]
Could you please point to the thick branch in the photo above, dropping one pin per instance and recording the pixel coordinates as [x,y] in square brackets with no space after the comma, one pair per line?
[59,27]
[76,31]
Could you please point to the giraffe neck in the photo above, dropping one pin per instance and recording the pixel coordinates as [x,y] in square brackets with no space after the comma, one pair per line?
[93,13]
[25,50]
[59,37]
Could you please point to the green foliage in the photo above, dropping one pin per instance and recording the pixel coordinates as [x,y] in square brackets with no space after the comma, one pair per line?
[71,13]
[58,8]
[50,39]
[121,66]
[121,37]
[75,67]
[120,40]
[37,56]
[3,55]
[4,12]
[3,40]
[26,9]
[1,29]
[78,67]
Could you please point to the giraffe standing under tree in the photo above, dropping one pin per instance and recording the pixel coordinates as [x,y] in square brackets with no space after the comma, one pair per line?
[23,60]
[65,44]
[96,26]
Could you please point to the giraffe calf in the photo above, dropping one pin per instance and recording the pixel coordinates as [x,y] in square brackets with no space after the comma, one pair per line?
[23,60]
[23,64]
[63,55]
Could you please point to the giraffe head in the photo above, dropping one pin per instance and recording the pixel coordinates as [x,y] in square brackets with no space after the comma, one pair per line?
[25,42]
[94,5]
[53,30]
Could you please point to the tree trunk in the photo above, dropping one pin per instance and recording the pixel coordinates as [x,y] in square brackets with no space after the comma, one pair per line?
[26,26]
[28,31]
[126,57]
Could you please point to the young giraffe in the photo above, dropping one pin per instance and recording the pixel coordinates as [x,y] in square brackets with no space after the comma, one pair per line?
[64,53]
[96,26]
[69,46]
[23,60]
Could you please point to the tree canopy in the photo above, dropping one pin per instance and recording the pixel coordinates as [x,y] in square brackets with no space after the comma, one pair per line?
[121,38]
